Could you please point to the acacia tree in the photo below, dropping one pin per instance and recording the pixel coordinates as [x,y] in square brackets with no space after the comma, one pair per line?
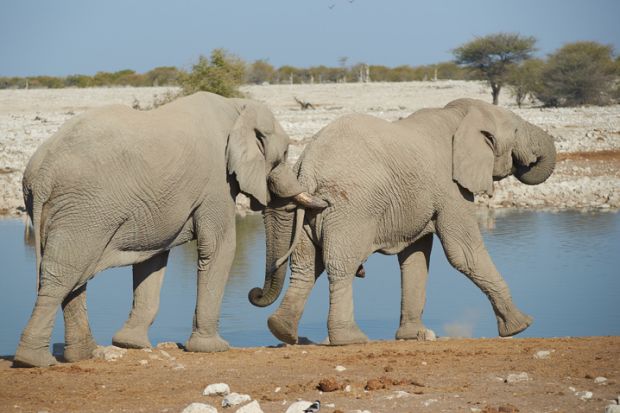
[493,55]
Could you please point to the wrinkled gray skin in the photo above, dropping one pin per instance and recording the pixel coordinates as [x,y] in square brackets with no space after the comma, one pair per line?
[116,187]
[391,186]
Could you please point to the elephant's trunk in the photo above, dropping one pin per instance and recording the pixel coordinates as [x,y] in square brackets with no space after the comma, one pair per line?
[279,236]
[534,155]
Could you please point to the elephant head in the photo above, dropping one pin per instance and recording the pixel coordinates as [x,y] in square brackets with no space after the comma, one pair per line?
[256,154]
[491,143]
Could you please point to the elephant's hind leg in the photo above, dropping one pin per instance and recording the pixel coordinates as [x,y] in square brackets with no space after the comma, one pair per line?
[414,261]
[306,267]
[148,277]
[79,342]
[464,248]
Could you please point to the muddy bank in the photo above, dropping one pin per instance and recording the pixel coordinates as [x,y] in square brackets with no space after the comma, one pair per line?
[457,375]
[587,181]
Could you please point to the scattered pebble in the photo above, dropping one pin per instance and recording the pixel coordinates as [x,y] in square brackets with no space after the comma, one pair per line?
[178,366]
[428,402]
[165,354]
[168,345]
[234,399]
[252,407]
[584,395]
[347,388]
[109,353]
[143,362]
[542,354]
[298,407]
[219,389]
[340,368]
[199,408]
[515,378]
[277,389]
[600,380]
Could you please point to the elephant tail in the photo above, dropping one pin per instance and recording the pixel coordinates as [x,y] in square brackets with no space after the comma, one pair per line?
[299,223]
[34,208]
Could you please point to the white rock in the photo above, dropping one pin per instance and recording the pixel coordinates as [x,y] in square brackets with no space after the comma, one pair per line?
[199,408]
[340,368]
[298,407]
[143,362]
[234,399]
[515,378]
[600,380]
[165,353]
[542,354]
[360,411]
[347,388]
[168,345]
[277,389]
[219,389]
[584,395]
[178,366]
[109,353]
[253,407]
[612,408]
[429,402]
[330,405]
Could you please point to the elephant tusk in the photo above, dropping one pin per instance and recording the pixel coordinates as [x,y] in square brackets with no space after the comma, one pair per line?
[306,200]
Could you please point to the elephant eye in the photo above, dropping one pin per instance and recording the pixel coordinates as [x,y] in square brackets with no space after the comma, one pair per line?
[489,138]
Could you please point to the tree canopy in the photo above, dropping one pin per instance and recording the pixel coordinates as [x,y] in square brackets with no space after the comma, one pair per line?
[492,56]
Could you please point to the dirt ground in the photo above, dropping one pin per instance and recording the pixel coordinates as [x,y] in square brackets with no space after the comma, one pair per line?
[456,375]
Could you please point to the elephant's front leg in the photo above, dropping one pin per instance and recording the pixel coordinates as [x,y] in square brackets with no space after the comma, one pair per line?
[148,277]
[341,325]
[414,261]
[306,267]
[79,342]
[464,247]
[214,263]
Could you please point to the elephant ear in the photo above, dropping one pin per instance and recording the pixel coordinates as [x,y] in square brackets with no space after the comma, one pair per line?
[245,156]
[472,152]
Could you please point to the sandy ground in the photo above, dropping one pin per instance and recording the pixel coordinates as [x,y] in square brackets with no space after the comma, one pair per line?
[458,375]
[27,117]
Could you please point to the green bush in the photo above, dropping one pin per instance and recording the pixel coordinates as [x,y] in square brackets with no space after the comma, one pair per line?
[579,73]
[221,73]
[525,79]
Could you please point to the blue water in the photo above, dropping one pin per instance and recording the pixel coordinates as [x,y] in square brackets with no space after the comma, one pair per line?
[562,268]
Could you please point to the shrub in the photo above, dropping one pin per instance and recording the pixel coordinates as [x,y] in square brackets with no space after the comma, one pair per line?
[577,74]
[524,79]
[221,73]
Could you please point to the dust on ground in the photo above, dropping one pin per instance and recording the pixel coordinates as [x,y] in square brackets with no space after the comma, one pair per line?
[455,375]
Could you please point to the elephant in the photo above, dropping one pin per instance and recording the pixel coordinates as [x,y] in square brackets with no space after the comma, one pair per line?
[116,186]
[390,186]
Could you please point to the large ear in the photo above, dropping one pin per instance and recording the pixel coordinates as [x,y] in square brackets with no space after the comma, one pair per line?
[245,156]
[472,152]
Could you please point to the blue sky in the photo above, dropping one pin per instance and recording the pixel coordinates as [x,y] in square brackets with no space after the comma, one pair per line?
[65,37]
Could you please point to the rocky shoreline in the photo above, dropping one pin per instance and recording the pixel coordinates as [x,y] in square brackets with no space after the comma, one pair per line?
[587,175]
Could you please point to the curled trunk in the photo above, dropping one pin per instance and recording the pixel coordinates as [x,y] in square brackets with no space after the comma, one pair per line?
[279,235]
[534,156]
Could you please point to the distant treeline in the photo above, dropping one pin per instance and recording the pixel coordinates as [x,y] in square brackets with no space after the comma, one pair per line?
[257,72]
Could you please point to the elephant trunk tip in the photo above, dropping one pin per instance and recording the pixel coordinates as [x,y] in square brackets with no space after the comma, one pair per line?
[258,298]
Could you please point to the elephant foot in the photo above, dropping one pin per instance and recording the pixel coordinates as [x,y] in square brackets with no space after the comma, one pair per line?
[343,335]
[514,323]
[33,357]
[79,351]
[201,344]
[415,331]
[128,337]
[282,329]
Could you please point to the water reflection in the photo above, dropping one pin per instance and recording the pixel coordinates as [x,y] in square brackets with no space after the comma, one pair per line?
[561,268]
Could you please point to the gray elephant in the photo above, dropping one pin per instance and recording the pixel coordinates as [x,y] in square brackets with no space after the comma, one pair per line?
[116,186]
[390,187]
